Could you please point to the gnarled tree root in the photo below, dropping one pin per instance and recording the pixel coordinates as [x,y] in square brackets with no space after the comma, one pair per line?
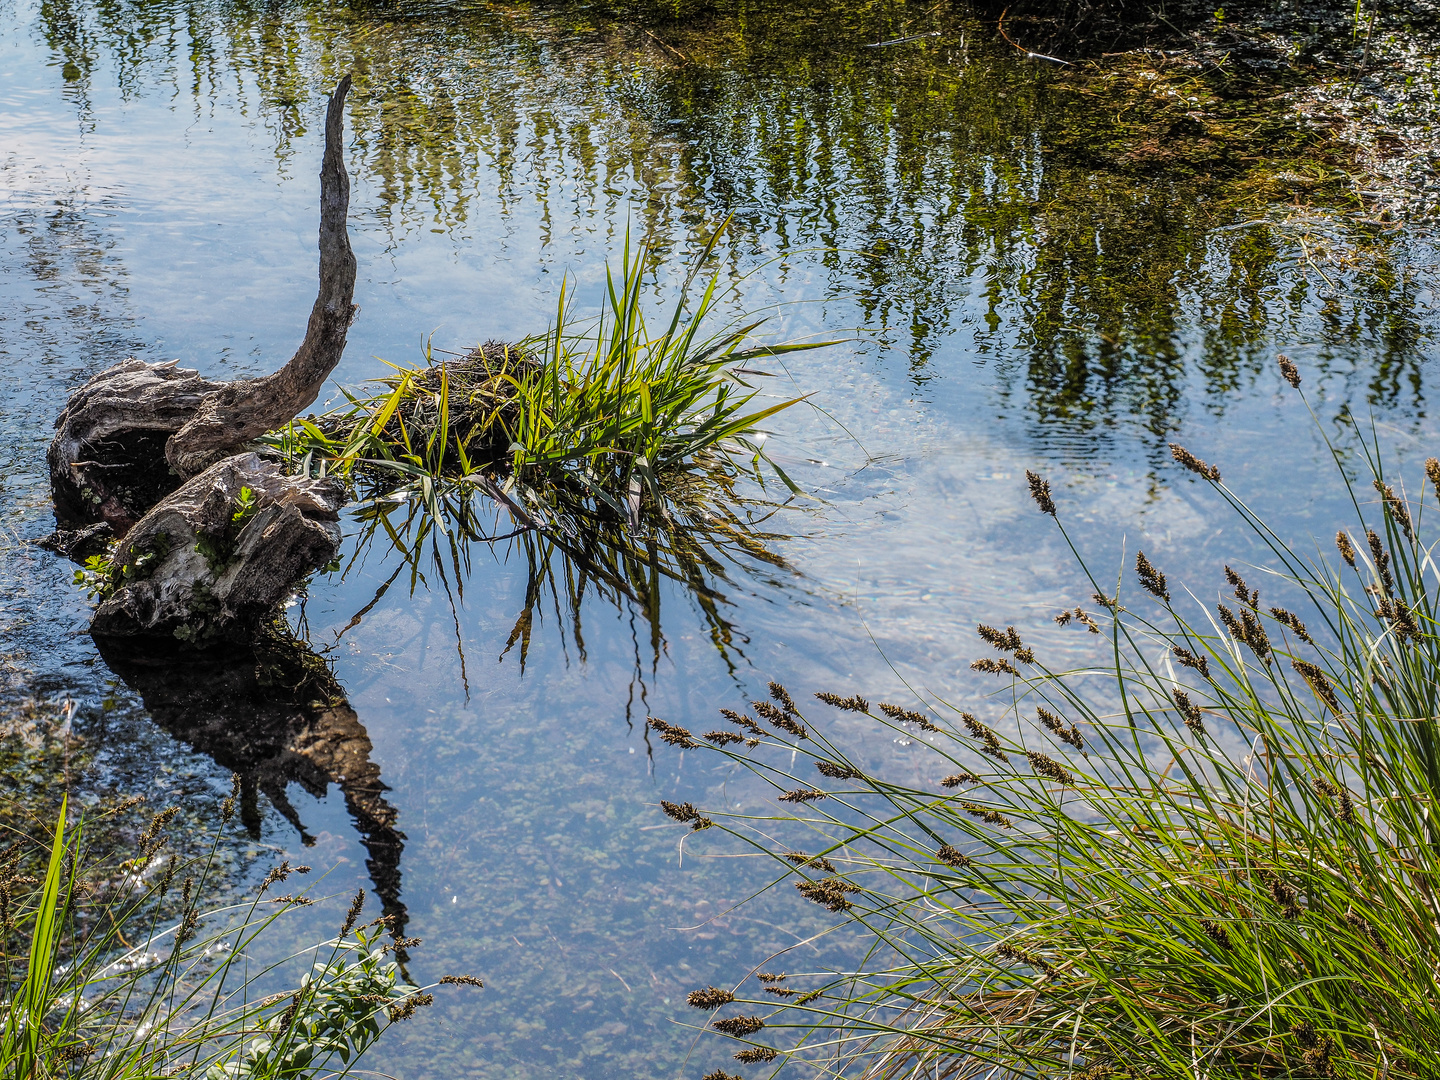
[211,539]
[107,460]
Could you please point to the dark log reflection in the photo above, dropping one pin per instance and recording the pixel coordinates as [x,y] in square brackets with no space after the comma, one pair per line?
[274,714]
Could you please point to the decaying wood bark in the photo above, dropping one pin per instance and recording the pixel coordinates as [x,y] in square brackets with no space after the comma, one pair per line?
[214,559]
[107,460]
[240,411]
[135,431]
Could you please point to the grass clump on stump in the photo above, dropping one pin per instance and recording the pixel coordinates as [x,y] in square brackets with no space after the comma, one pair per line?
[616,418]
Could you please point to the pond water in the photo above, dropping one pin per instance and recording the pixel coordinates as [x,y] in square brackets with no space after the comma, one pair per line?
[1004,300]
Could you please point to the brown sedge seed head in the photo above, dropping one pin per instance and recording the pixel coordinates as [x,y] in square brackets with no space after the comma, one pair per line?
[1396,507]
[849,704]
[799,858]
[803,795]
[757,1055]
[1347,549]
[1050,768]
[956,779]
[353,915]
[1151,579]
[907,716]
[670,733]
[1194,464]
[712,997]
[780,694]
[1040,492]
[739,1026]
[951,856]
[679,811]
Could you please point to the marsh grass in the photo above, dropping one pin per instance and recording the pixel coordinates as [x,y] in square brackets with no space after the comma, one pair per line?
[1216,854]
[627,453]
[613,416]
[114,968]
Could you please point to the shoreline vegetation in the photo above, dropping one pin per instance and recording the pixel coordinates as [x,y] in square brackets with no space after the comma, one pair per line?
[1307,101]
[115,964]
[1215,855]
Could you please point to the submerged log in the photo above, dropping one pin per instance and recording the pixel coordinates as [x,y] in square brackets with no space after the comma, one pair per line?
[136,431]
[216,558]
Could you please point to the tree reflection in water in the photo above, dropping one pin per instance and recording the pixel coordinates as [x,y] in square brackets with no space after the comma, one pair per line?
[274,713]
[950,190]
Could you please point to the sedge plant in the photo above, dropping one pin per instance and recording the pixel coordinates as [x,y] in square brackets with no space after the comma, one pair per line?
[1215,854]
[116,969]
[614,414]
[618,447]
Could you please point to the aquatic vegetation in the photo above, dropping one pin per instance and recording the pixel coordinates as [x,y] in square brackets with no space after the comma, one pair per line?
[612,417]
[1212,853]
[618,453]
[112,968]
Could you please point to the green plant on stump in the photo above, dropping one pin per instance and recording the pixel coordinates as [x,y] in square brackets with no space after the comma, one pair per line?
[217,549]
[618,453]
[1216,855]
[103,575]
[612,417]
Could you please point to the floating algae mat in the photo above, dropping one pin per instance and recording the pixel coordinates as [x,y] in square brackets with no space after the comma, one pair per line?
[1019,279]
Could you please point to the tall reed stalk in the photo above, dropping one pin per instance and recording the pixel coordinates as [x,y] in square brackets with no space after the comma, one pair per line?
[1215,854]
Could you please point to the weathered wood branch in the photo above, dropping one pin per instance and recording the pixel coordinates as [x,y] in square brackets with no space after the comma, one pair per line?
[134,432]
[240,411]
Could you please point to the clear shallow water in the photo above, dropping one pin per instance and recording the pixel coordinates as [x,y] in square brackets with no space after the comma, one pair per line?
[1006,307]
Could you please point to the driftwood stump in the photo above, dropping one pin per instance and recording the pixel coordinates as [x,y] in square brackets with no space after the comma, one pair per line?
[216,558]
[152,455]
[135,431]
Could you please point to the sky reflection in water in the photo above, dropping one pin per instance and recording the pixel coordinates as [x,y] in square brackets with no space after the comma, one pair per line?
[1014,309]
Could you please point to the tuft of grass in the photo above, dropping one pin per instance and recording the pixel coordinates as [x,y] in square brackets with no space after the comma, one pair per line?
[1216,855]
[613,416]
[114,968]
[618,449]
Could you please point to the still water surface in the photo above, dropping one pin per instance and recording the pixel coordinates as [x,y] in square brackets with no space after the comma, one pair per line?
[1003,305]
